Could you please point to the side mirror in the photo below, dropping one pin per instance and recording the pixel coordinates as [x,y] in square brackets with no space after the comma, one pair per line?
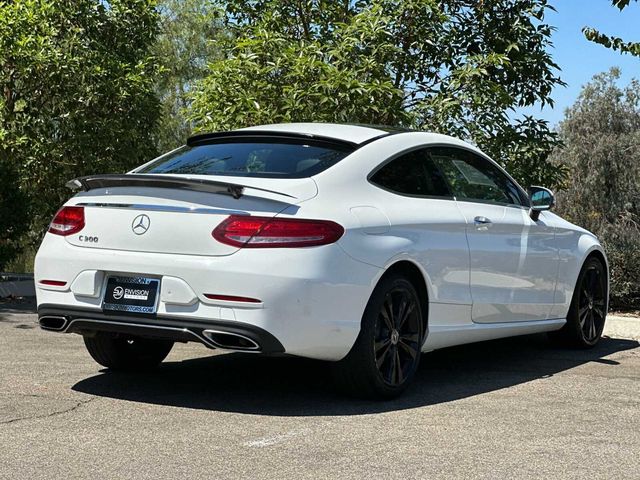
[541,199]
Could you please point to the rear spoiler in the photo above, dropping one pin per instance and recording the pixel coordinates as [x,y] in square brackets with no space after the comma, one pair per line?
[92,182]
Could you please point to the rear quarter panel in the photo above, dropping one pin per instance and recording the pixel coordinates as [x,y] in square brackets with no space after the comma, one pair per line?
[383,227]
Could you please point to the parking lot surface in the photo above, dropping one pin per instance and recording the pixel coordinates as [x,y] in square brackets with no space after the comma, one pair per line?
[515,408]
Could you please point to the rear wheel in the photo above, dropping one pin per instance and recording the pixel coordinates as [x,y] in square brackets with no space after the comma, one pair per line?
[386,354]
[120,353]
[588,311]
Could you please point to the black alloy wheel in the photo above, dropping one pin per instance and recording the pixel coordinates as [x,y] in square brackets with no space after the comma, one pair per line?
[398,334]
[588,310]
[592,304]
[386,354]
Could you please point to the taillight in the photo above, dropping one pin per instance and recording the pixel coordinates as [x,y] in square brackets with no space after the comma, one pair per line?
[68,220]
[267,232]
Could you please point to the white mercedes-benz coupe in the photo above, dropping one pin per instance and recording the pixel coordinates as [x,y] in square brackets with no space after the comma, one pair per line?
[359,245]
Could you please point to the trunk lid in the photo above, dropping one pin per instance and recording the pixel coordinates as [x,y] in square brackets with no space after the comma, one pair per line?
[176,218]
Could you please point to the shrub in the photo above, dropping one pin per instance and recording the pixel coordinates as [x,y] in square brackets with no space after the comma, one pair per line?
[77,97]
[601,134]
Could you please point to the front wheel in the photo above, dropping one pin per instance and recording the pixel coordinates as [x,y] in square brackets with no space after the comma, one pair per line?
[386,354]
[588,311]
[120,353]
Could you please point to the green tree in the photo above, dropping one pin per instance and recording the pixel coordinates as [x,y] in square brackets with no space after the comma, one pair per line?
[615,43]
[12,210]
[77,84]
[189,30]
[459,67]
[601,134]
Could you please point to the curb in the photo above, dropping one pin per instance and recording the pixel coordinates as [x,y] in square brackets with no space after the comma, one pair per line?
[622,327]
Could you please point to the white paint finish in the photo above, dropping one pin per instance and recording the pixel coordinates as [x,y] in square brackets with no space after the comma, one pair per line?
[372,221]
[227,314]
[574,245]
[176,291]
[187,231]
[88,283]
[313,298]
[441,337]
[431,233]
[448,315]
[514,263]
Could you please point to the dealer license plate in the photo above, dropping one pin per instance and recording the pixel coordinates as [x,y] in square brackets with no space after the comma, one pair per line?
[131,294]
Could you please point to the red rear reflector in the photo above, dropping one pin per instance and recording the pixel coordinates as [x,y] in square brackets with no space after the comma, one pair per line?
[231,298]
[68,220]
[267,232]
[54,283]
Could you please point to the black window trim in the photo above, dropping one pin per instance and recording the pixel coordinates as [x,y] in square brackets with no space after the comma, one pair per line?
[525,196]
[409,195]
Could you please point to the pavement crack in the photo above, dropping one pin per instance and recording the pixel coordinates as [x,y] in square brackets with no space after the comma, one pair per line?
[52,414]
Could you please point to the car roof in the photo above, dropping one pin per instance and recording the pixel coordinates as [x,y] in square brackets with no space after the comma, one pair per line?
[356,134]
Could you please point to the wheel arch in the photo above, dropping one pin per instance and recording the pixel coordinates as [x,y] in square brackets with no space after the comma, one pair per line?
[417,277]
[600,255]
[587,246]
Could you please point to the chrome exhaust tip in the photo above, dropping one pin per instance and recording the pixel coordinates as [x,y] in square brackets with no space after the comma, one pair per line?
[55,324]
[230,341]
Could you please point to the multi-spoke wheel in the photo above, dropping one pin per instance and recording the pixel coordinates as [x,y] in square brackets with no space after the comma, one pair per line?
[398,333]
[588,311]
[387,352]
[592,304]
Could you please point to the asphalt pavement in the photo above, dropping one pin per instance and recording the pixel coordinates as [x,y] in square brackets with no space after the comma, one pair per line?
[514,408]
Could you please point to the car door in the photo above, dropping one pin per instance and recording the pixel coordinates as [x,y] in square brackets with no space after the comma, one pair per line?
[513,259]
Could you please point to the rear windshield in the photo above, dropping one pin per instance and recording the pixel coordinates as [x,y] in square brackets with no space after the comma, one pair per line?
[263,158]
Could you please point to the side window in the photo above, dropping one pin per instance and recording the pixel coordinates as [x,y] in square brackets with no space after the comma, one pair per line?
[413,173]
[471,177]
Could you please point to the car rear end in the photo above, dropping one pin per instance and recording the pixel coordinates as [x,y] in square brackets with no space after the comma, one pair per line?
[189,249]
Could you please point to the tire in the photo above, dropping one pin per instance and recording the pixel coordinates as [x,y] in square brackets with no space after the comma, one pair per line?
[381,364]
[127,354]
[588,310]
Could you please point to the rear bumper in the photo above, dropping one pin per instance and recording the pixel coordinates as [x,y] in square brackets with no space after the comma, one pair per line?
[82,321]
[311,299]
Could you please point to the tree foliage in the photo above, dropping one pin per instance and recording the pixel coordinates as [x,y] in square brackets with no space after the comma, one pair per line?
[77,97]
[12,210]
[459,67]
[614,43]
[601,135]
[187,40]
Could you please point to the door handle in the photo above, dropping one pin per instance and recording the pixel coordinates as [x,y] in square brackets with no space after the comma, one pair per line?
[479,220]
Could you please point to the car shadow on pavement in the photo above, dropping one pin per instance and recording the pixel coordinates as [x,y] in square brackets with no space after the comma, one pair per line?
[287,386]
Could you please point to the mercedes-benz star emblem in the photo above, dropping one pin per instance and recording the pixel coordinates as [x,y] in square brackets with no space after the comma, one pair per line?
[141,224]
